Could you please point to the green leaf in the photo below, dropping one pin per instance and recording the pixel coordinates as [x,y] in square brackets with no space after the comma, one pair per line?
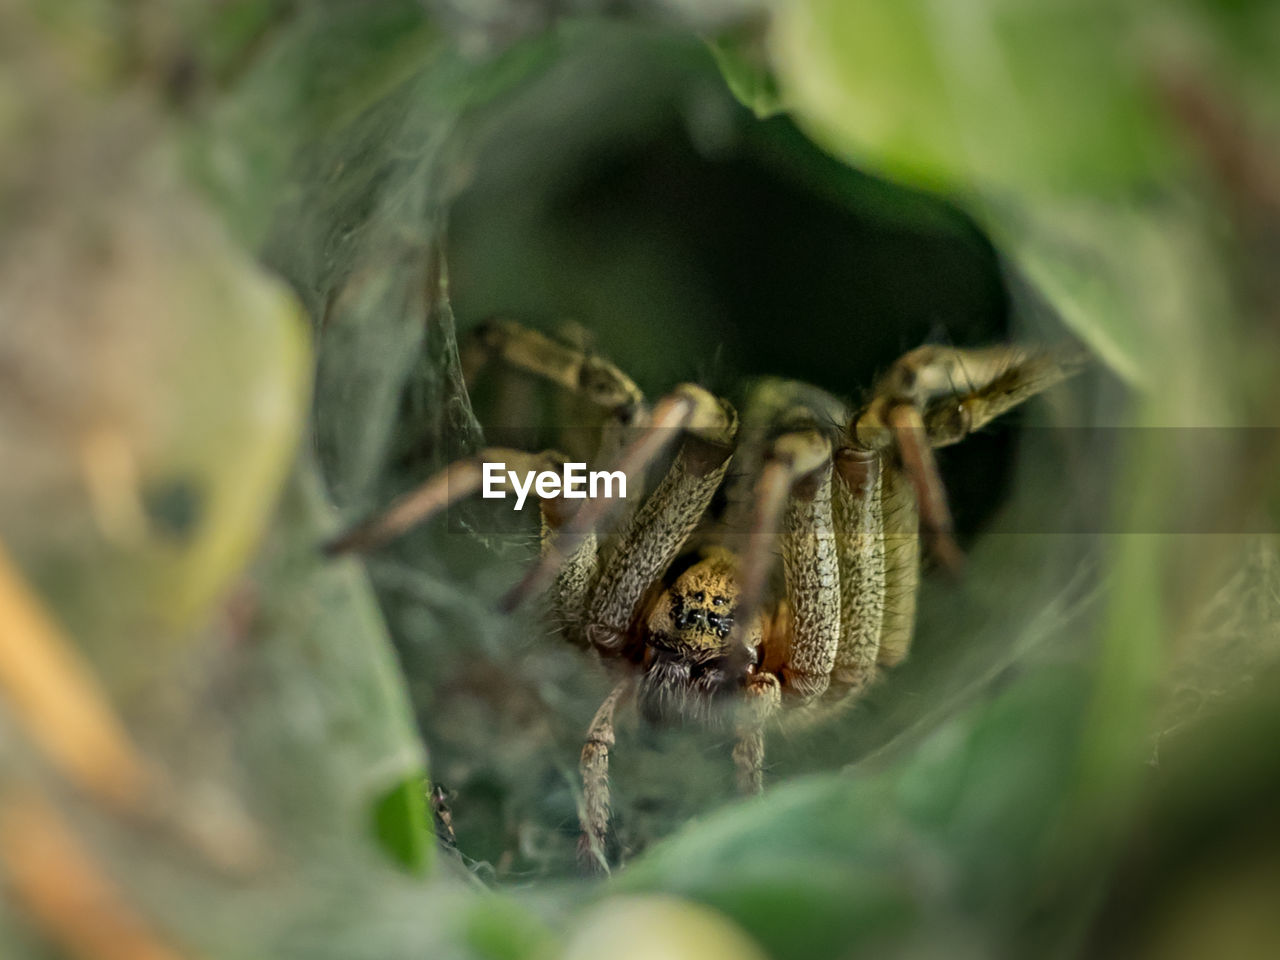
[497,928]
[1043,96]
[402,825]
[740,55]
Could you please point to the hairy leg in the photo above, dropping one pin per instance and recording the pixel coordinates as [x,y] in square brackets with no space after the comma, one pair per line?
[573,368]
[792,492]
[459,480]
[762,699]
[812,572]
[652,537]
[860,544]
[799,448]
[577,370]
[901,565]
[885,488]
[578,560]
[934,396]
[593,814]
[649,541]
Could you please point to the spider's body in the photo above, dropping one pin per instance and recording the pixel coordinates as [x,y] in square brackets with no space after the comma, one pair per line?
[690,657]
[845,497]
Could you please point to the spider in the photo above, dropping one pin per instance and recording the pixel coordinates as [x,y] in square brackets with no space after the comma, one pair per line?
[682,594]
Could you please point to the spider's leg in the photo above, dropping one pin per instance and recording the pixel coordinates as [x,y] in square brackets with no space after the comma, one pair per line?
[792,458]
[900,522]
[658,529]
[879,570]
[801,644]
[654,534]
[860,544]
[925,506]
[763,697]
[645,547]
[580,373]
[578,559]
[669,417]
[992,382]
[812,572]
[459,480]
[577,370]
[934,396]
[593,815]
[876,523]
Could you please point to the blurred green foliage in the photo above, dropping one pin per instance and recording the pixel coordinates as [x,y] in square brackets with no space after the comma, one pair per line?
[1038,97]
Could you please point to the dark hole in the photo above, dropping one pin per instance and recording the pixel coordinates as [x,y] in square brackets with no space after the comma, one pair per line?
[761,256]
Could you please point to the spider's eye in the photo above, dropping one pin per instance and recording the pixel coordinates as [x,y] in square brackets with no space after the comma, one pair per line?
[719,601]
[699,597]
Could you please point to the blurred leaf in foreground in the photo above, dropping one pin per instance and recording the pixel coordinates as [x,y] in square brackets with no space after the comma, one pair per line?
[988,94]
[647,927]
[946,850]
[153,392]
[742,58]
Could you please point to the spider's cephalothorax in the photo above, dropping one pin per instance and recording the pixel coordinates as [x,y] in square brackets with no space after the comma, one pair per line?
[692,655]
[846,496]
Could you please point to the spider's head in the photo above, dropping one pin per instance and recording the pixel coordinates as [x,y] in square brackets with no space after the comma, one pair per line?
[694,616]
[687,660]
